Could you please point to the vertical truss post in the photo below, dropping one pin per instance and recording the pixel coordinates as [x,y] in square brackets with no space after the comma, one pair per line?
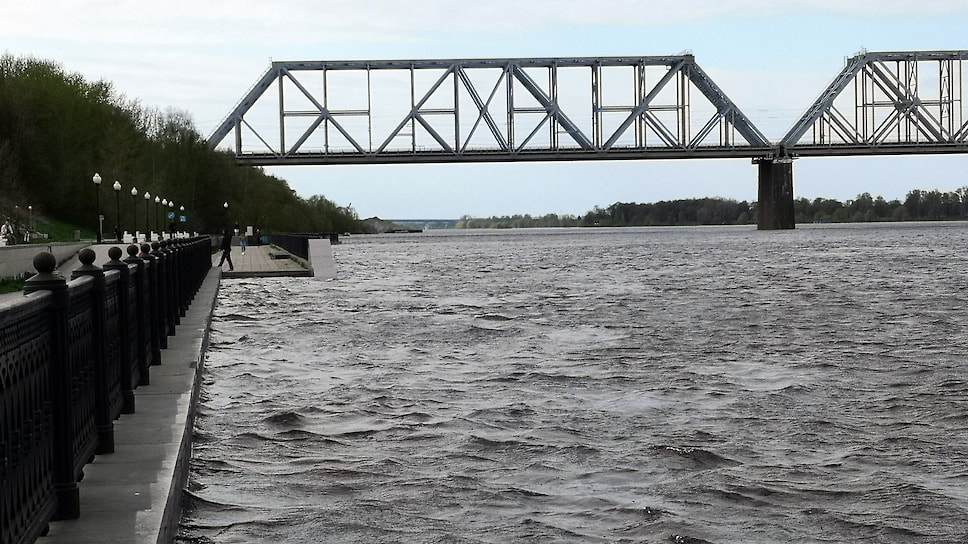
[238,138]
[413,105]
[553,120]
[910,97]
[945,95]
[510,104]
[326,105]
[282,116]
[457,107]
[861,101]
[369,107]
[641,95]
[597,105]
[682,83]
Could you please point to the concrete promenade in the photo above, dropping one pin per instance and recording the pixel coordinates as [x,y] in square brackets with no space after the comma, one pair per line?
[261,262]
[134,495]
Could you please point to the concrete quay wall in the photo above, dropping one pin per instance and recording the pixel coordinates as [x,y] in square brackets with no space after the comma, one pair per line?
[18,261]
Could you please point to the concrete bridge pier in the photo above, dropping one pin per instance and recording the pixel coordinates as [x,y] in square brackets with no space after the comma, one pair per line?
[774,207]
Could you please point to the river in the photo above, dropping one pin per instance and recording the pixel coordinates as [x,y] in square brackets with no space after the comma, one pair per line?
[667,385]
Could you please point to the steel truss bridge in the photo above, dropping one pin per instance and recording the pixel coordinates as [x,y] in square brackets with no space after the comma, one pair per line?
[591,108]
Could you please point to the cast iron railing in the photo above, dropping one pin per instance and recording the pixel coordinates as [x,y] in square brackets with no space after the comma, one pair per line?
[72,354]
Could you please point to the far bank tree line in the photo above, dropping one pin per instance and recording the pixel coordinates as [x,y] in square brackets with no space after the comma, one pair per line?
[918,205]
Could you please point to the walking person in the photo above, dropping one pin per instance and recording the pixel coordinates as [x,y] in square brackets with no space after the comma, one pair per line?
[226,247]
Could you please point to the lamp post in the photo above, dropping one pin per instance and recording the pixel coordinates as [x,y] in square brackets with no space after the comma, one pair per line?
[157,202]
[171,219]
[181,213]
[97,198]
[117,208]
[30,223]
[161,228]
[134,213]
[147,215]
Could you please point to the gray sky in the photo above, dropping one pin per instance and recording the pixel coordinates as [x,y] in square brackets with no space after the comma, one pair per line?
[770,57]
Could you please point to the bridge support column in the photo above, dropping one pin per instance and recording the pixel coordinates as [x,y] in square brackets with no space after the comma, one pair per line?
[774,207]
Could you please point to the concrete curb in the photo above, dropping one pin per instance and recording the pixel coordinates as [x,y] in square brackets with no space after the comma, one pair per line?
[173,507]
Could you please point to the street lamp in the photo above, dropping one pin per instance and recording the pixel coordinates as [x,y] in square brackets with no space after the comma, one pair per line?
[134,211]
[30,221]
[157,201]
[147,215]
[171,219]
[117,208]
[181,213]
[97,198]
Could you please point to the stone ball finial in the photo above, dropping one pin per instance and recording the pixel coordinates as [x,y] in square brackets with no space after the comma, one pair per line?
[132,250]
[45,262]
[114,253]
[45,278]
[87,256]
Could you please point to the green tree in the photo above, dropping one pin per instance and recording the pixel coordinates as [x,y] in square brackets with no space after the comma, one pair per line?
[57,130]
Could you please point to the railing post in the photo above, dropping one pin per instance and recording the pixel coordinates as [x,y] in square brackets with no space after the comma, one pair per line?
[156,334]
[174,284]
[145,341]
[103,422]
[128,340]
[161,278]
[65,484]
[184,277]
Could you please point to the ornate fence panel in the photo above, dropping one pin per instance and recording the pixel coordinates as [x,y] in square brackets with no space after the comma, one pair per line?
[27,500]
[81,362]
[114,347]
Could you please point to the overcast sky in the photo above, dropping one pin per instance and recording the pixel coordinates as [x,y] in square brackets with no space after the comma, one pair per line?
[772,58]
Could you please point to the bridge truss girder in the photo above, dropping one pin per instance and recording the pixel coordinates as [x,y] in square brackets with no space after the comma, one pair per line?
[488,110]
[902,103]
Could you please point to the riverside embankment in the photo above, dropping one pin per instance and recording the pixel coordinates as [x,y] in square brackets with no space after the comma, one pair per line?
[131,489]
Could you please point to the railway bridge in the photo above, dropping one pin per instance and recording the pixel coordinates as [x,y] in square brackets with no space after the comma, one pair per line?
[588,108]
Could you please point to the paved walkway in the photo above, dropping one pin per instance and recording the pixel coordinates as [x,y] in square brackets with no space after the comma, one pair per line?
[134,495]
[261,261]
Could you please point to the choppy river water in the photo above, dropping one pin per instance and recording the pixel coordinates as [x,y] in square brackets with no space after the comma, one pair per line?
[680,385]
